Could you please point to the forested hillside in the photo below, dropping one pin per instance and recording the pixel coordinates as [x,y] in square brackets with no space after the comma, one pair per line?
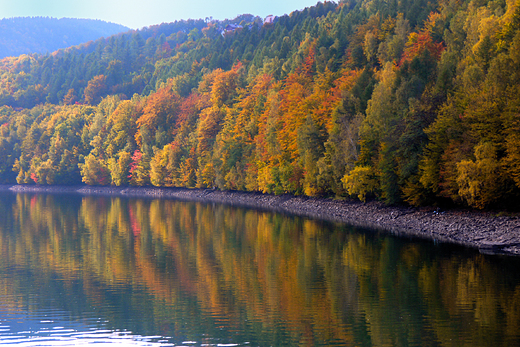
[26,35]
[413,101]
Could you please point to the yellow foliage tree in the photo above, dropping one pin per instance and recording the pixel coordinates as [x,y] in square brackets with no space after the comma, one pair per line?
[361,182]
[479,180]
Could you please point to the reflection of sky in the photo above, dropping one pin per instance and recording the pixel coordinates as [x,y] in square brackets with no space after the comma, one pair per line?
[52,328]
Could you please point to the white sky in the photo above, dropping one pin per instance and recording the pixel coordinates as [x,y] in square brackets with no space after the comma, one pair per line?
[136,14]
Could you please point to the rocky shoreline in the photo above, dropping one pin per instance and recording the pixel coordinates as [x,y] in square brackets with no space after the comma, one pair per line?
[485,231]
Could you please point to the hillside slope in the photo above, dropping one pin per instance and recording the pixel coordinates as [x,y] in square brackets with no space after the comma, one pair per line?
[412,102]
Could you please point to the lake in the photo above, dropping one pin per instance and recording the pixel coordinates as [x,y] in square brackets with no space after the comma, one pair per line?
[91,270]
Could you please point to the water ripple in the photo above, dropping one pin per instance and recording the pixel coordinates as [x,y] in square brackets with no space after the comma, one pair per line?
[81,338]
[53,329]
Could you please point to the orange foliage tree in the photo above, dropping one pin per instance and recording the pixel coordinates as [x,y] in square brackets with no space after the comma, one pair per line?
[422,41]
[95,89]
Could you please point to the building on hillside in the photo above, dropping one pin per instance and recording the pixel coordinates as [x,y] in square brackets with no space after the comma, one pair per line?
[269,19]
[230,28]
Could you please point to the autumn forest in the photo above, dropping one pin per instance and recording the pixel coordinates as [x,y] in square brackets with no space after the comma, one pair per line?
[408,101]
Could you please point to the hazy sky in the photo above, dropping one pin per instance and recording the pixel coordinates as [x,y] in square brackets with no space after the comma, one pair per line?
[139,13]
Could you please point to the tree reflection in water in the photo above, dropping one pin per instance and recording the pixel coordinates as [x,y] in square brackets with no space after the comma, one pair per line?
[218,274]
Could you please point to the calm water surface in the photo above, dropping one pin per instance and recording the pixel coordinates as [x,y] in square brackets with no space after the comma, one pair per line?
[106,271]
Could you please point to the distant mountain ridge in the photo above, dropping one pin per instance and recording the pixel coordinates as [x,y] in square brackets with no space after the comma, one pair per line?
[26,35]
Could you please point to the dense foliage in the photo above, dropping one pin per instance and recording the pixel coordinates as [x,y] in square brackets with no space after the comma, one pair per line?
[24,35]
[409,101]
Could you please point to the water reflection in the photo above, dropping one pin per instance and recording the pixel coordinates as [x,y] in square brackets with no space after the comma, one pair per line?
[152,271]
